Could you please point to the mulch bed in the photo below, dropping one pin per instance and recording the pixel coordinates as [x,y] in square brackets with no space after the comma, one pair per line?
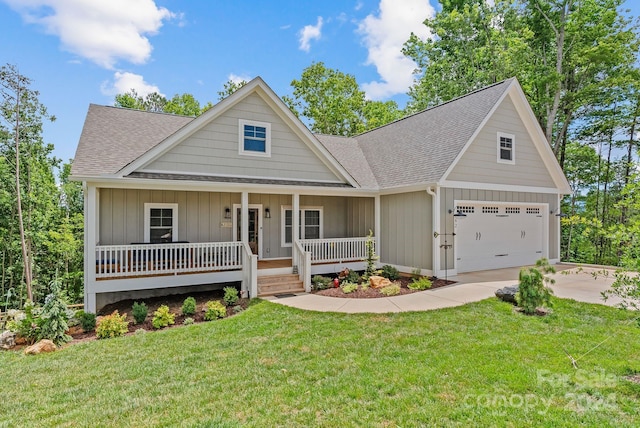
[372,293]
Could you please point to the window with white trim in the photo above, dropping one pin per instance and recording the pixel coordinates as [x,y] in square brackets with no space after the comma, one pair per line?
[310,224]
[254,138]
[160,223]
[506,148]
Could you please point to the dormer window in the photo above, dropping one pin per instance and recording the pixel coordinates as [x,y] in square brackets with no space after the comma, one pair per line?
[255,138]
[506,148]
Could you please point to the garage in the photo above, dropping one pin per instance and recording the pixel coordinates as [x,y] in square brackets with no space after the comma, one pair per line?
[494,235]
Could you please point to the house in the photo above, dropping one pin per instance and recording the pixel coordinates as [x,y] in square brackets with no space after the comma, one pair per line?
[175,201]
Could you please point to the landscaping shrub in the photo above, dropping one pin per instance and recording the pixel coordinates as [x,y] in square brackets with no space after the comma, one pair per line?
[390,290]
[415,273]
[423,283]
[162,317]
[237,309]
[189,306]
[27,324]
[113,325]
[53,319]
[319,282]
[348,287]
[214,310]
[87,320]
[532,292]
[230,296]
[390,272]
[371,258]
[353,277]
[139,312]
[188,321]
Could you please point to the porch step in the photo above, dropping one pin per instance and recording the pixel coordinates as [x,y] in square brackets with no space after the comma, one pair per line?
[279,284]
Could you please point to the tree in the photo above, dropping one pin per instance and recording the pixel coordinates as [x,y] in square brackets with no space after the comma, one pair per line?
[21,121]
[184,105]
[229,88]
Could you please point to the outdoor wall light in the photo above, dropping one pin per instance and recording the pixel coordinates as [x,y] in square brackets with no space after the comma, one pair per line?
[227,212]
[267,213]
[457,214]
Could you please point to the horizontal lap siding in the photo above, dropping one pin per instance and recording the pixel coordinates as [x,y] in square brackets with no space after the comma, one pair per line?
[122,214]
[213,150]
[448,196]
[479,163]
[406,230]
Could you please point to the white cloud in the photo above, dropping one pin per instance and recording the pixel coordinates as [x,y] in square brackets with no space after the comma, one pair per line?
[237,78]
[310,32]
[125,81]
[384,35]
[101,31]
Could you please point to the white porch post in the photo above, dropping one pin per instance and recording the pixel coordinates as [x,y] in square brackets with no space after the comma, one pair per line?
[295,225]
[435,219]
[377,227]
[244,215]
[91,227]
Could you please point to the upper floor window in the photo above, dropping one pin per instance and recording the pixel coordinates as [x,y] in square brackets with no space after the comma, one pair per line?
[255,138]
[506,148]
[160,223]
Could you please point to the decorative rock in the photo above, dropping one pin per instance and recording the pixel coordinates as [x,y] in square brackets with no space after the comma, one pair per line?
[508,293]
[542,311]
[7,340]
[378,281]
[45,345]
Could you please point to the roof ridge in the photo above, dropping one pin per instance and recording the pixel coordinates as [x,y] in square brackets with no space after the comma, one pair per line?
[436,106]
[142,111]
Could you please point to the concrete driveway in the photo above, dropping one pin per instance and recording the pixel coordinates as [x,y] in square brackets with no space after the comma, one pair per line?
[470,287]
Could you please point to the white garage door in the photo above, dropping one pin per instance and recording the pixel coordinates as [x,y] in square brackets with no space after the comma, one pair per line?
[498,235]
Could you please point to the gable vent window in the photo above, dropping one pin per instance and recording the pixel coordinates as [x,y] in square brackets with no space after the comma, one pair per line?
[512,210]
[489,210]
[533,210]
[465,209]
[255,138]
[506,148]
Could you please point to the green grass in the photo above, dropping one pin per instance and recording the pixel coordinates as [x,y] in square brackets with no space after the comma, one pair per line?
[477,365]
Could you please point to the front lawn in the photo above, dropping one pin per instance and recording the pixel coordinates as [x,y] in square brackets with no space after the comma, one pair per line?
[477,365]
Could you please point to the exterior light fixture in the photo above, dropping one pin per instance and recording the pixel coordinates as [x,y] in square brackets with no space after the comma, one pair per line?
[458,213]
[227,212]
[267,213]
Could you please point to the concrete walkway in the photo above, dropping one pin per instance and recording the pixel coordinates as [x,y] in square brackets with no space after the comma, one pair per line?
[469,287]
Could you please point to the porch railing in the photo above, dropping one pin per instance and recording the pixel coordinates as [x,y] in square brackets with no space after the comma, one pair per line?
[335,249]
[303,260]
[113,261]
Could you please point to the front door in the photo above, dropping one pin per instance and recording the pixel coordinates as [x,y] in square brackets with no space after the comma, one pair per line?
[254,227]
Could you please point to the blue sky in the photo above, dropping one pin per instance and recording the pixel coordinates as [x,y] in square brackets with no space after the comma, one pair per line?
[85,51]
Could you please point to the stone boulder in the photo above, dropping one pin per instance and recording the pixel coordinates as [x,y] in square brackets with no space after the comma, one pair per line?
[508,293]
[7,340]
[45,345]
[378,281]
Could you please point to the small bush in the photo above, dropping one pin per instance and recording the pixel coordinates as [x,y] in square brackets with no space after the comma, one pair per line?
[188,321]
[416,273]
[189,306]
[390,272]
[53,319]
[140,331]
[87,320]
[162,317]
[348,287]
[423,283]
[230,296]
[114,325]
[353,277]
[237,309]
[319,282]
[390,290]
[27,324]
[214,310]
[139,312]
[532,292]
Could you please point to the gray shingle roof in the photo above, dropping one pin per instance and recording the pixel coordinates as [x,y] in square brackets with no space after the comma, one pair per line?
[113,137]
[348,153]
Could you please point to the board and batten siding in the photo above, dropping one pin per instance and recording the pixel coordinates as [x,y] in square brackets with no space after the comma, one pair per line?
[448,196]
[213,150]
[407,232]
[479,162]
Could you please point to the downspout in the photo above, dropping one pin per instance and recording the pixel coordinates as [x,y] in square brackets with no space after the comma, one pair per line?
[435,220]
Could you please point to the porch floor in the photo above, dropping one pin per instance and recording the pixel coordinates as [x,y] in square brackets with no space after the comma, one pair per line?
[274,264]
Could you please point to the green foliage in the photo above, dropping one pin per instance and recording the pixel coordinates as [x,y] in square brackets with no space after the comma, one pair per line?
[114,325]
[319,282]
[189,306]
[230,296]
[229,88]
[163,317]
[184,104]
[53,318]
[188,321]
[371,258]
[353,276]
[626,287]
[416,273]
[422,283]
[139,312]
[27,325]
[87,320]
[348,287]
[390,290]
[390,272]
[214,310]
[237,309]
[532,292]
